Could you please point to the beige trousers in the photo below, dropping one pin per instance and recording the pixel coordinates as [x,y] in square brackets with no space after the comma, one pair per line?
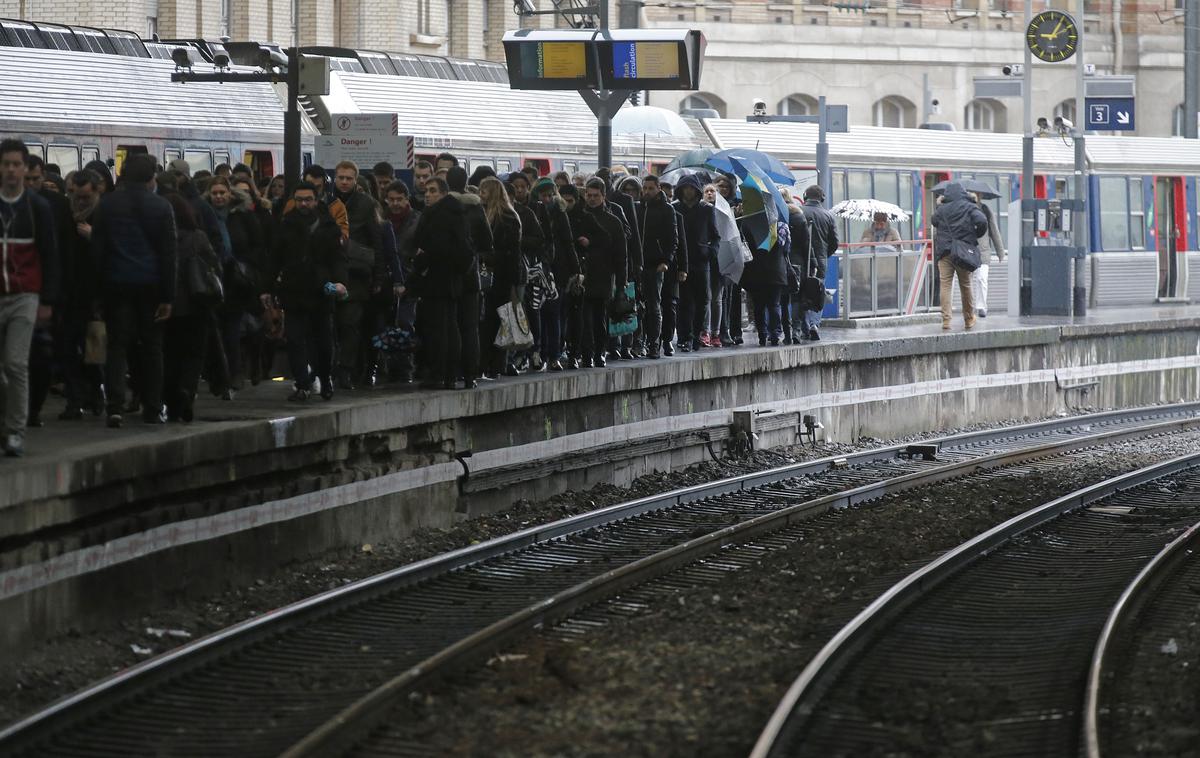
[946,273]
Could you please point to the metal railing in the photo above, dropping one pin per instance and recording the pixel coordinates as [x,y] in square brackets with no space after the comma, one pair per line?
[885,279]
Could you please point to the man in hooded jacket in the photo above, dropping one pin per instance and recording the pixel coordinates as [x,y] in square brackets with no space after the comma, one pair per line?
[699,248]
[815,233]
[957,221]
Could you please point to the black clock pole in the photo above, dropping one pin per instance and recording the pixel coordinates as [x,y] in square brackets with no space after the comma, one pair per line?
[1027,205]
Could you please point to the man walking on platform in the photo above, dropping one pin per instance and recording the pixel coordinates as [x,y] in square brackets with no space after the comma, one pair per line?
[28,283]
[605,265]
[133,243]
[364,267]
[656,220]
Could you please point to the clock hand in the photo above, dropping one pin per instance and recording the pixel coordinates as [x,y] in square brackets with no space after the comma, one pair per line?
[1057,30]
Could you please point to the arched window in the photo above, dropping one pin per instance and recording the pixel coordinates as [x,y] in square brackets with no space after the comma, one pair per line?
[984,116]
[797,105]
[703,100]
[894,111]
[1066,109]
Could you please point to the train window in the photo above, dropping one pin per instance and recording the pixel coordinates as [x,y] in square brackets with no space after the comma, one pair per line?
[36,149]
[58,37]
[503,166]
[66,156]
[1114,213]
[90,154]
[93,40]
[171,154]
[198,160]
[23,35]
[1137,215]
[570,167]
[222,156]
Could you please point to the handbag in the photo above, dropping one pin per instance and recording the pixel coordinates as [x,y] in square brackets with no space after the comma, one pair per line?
[486,277]
[95,344]
[965,256]
[359,258]
[202,281]
[514,332]
[622,306]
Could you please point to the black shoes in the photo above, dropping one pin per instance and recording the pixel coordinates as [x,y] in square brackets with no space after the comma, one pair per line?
[668,349]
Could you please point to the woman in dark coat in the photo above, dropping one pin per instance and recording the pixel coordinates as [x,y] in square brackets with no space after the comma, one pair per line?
[507,265]
[191,318]
[246,242]
[765,278]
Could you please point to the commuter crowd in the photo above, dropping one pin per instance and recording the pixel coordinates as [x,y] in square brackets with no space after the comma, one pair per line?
[129,293]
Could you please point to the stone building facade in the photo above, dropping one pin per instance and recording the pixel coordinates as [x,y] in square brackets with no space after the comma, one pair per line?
[873,57]
[875,60]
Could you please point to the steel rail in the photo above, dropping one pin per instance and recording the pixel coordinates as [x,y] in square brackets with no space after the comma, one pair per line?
[1123,610]
[340,732]
[225,641]
[816,676]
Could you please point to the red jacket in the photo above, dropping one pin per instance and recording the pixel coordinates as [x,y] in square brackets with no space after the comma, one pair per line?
[28,249]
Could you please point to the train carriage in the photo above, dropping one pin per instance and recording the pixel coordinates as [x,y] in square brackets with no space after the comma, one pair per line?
[76,94]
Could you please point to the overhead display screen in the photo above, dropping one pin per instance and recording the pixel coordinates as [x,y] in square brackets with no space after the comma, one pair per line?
[645,60]
[554,60]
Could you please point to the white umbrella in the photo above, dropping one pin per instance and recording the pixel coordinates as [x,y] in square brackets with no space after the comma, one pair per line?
[865,210]
[649,120]
[732,253]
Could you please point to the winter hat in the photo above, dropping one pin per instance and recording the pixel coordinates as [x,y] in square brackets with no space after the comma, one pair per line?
[544,183]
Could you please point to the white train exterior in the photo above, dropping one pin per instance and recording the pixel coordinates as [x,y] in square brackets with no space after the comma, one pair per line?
[74,97]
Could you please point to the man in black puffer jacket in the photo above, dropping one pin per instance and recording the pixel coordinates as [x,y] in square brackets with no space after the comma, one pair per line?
[814,230]
[959,221]
[700,247]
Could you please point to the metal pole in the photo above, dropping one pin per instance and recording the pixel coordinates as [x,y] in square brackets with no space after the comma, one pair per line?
[823,151]
[927,98]
[1079,228]
[1191,66]
[604,137]
[1027,194]
[291,122]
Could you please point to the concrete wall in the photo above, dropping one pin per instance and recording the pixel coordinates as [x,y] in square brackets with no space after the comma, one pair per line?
[122,528]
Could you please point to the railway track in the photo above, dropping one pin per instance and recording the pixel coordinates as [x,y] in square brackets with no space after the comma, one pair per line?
[990,649]
[1141,692]
[342,658]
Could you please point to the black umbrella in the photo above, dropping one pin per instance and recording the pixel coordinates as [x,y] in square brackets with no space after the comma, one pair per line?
[984,191]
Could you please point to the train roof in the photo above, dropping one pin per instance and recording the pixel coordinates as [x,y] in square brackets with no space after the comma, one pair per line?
[888,147]
[68,92]
[491,116]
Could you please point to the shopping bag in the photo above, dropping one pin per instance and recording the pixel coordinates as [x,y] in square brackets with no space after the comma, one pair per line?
[514,332]
[95,344]
[622,312]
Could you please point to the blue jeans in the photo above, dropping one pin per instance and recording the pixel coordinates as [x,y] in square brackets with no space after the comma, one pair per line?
[803,320]
[766,312]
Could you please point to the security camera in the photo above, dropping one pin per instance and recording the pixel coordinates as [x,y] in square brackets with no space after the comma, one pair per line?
[523,7]
[221,60]
[760,107]
[1013,69]
[269,59]
[1063,124]
[182,57]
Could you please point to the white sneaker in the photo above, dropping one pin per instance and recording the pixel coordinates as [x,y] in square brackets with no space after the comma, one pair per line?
[316,385]
[14,446]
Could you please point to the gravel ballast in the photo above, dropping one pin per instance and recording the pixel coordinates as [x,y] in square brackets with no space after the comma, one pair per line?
[700,671]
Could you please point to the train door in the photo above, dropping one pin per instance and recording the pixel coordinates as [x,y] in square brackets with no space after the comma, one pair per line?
[541,164]
[1170,235]
[261,163]
[124,151]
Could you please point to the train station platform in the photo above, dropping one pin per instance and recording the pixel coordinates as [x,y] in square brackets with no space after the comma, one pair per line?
[94,519]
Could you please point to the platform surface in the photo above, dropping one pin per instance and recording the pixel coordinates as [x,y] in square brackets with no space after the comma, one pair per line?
[65,440]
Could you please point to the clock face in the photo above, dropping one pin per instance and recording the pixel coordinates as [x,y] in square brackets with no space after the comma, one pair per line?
[1052,36]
